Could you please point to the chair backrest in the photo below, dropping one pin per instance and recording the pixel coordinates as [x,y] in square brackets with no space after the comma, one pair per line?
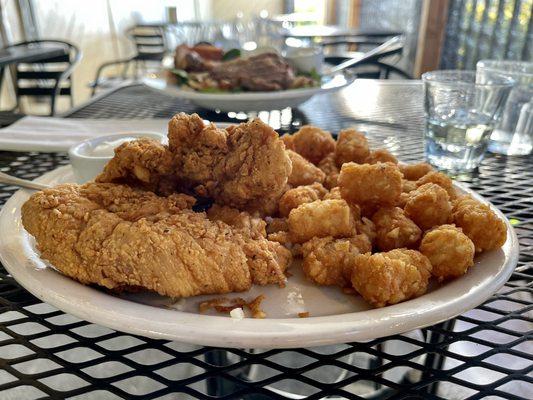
[149,40]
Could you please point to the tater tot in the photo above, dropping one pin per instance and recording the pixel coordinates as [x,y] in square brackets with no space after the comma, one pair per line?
[370,184]
[313,143]
[408,186]
[303,171]
[479,223]
[352,146]
[440,179]
[394,230]
[449,250]
[381,155]
[321,218]
[328,166]
[366,227]
[292,198]
[329,261]
[428,206]
[333,194]
[413,172]
[276,225]
[391,277]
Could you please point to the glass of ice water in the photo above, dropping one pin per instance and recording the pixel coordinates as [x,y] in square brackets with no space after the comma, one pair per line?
[513,134]
[460,117]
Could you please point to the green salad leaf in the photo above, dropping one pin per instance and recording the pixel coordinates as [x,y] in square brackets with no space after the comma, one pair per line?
[231,54]
[182,75]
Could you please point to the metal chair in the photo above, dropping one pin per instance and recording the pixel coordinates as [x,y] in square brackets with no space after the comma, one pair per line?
[46,77]
[372,69]
[150,46]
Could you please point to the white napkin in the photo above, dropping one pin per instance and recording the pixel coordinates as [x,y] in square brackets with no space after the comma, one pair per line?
[49,134]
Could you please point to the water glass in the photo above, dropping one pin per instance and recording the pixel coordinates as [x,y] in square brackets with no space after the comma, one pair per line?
[460,117]
[513,134]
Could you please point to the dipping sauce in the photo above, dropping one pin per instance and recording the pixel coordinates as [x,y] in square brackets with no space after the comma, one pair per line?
[107,147]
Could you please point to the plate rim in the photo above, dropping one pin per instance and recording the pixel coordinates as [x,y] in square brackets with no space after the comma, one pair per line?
[127,316]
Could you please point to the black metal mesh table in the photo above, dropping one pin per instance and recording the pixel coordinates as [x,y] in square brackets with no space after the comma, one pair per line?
[487,352]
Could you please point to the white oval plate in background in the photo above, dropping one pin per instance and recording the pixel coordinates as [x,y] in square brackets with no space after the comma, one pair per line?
[334,316]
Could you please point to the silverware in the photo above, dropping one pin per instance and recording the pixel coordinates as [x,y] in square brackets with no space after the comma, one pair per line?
[11,180]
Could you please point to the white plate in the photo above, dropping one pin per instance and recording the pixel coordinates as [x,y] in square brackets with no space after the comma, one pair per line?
[335,317]
[249,101]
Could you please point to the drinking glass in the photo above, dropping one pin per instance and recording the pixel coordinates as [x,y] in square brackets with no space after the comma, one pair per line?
[510,135]
[460,116]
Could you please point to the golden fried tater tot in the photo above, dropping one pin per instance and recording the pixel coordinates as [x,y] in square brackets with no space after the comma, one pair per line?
[381,155]
[321,218]
[292,198]
[329,261]
[333,194]
[413,172]
[303,172]
[366,227]
[449,250]
[276,225]
[428,206]
[313,143]
[408,186]
[370,184]
[328,166]
[352,146]
[440,179]
[479,223]
[394,230]
[391,277]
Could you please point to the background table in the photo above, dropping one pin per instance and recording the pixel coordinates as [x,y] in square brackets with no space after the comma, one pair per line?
[485,352]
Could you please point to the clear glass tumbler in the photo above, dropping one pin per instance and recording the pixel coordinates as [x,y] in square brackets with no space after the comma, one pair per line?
[460,117]
[510,135]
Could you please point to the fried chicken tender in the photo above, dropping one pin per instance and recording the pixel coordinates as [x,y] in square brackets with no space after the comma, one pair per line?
[449,250]
[479,223]
[119,237]
[293,198]
[254,225]
[321,218]
[303,172]
[329,167]
[144,161]
[370,184]
[413,172]
[288,141]
[313,143]
[352,146]
[391,277]
[440,179]
[428,206]
[394,230]
[329,261]
[381,155]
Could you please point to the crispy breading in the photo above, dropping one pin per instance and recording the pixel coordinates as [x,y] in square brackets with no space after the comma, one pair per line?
[428,206]
[370,184]
[303,171]
[479,223]
[366,227]
[288,141]
[408,186]
[253,224]
[449,250]
[440,179]
[413,172]
[313,143]
[352,146]
[391,277]
[292,198]
[119,237]
[329,167]
[394,230]
[276,225]
[321,218]
[381,155]
[329,261]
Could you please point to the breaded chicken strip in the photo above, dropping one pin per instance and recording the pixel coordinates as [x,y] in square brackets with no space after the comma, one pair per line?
[119,237]
[352,146]
[449,250]
[254,225]
[303,172]
[329,167]
[370,184]
[394,230]
[293,198]
[312,143]
[329,261]
[321,218]
[391,277]
[479,223]
[428,206]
